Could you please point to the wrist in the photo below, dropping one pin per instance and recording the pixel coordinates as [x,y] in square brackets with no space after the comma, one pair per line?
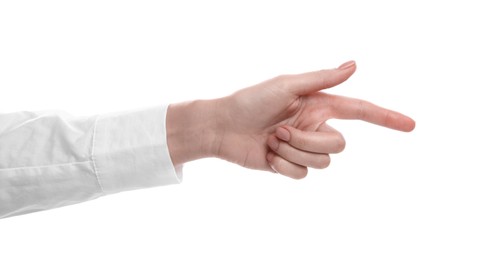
[193,130]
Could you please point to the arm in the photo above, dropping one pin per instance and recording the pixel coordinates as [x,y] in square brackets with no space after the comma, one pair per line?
[48,160]
[278,125]
[51,160]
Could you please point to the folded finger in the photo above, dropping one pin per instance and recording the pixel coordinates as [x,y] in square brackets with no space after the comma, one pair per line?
[285,167]
[312,141]
[300,157]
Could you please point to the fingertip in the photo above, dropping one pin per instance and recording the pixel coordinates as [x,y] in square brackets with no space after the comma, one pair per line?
[410,125]
[405,123]
[347,68]
[273,142]
[397,121]
[270,157]
[283,133]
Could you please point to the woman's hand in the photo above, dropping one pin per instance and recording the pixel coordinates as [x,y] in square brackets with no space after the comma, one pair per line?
[278,125]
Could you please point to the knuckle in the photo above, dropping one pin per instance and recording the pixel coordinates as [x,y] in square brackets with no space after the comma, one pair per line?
[299,141]
[387,118]
[282,81]
[339,144]
[323,78]
[299,173]
[322,162]
[361,112]
[325,162]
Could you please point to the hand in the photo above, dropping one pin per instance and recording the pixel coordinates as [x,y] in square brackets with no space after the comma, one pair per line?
[278,125]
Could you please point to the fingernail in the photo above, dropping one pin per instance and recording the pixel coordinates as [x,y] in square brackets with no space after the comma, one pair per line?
[269,157]
[273,143]
[283,134]
[347,65]
[272,168]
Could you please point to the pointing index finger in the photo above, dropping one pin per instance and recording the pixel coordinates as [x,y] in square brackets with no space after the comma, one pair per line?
[350,108]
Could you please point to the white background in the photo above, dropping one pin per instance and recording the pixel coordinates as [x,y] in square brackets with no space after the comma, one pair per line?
[389,195]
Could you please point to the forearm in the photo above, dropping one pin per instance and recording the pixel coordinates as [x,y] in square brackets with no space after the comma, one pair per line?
[193,130]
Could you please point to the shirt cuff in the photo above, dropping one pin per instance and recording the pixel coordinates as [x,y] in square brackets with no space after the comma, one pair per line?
[130,151]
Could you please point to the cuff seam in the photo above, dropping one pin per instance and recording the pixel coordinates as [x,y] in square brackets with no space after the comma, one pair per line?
[95,168]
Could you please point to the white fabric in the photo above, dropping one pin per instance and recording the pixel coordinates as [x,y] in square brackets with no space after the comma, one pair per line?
[51,159]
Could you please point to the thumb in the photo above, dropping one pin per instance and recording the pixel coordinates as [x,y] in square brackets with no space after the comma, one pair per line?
[310,82]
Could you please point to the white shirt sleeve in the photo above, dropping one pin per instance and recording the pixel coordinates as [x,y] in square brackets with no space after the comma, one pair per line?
[50,159]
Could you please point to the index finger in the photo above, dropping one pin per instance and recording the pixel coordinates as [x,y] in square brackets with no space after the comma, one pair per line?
[350,108]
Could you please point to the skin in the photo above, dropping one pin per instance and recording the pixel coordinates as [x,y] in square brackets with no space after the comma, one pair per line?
[278,125]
